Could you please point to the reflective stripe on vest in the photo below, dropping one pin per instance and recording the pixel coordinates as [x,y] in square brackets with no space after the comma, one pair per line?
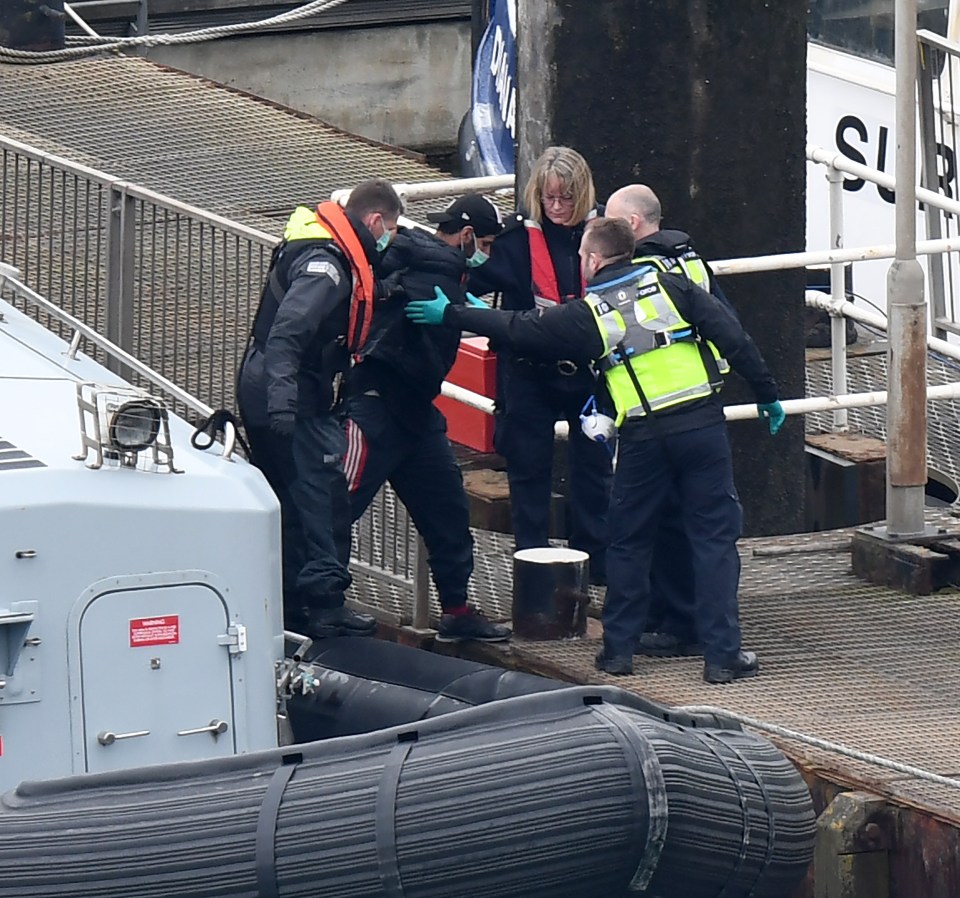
[640,326]
[690,264]
[331,217]
[543,275]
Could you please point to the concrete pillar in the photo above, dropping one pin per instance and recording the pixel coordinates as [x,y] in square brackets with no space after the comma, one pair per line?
[32,24]
[706,103]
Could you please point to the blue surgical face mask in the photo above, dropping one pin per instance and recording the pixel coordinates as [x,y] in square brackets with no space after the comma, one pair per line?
[477,259]
[383,241]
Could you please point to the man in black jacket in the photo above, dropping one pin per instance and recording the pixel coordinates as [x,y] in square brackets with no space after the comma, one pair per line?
[394,431]
[647,331]
[314,314]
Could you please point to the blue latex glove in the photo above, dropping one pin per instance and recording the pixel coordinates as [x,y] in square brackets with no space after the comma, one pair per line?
[774,413]
[473,301]
[428,311]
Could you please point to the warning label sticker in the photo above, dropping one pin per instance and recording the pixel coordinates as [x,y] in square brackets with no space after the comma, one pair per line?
[155,630]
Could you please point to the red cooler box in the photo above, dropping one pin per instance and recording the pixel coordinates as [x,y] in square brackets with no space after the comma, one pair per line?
[475,369]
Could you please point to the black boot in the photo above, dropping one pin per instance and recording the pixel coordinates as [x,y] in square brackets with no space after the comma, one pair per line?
[338,621]
[744,665]
[666,645]
[619,666]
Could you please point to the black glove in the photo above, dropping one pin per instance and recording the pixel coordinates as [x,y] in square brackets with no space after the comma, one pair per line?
[282,423]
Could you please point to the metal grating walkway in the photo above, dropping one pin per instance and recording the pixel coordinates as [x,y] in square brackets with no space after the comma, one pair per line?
[841,660]
[201,143]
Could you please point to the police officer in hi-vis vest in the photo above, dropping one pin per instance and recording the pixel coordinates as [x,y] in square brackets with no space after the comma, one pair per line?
[313,318]
[671,623]
[657,339]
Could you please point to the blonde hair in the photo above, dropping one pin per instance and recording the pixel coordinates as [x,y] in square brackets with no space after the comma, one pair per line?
[572,171]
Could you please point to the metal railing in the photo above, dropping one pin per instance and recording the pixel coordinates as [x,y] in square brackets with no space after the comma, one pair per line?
[170,284]
[937,73]
[176,287]
[11,281]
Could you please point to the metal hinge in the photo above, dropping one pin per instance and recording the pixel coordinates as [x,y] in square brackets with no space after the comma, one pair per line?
[235,639]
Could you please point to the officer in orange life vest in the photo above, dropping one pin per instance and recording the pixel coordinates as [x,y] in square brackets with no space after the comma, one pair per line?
[537,265]
[314,315]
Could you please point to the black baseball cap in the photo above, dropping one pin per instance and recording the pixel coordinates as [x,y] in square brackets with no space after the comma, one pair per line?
[471,209]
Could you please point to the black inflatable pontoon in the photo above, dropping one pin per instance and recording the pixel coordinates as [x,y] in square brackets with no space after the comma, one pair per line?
[368,684]
[567,792]
[558,794]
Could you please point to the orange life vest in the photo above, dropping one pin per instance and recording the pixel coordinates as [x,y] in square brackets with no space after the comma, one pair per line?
[334,220]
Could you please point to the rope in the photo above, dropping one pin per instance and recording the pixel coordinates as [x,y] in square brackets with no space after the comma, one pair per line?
[836,747]
[217,423]
[91,45]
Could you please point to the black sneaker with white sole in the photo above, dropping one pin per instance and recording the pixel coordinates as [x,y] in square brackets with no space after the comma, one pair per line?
[472,625]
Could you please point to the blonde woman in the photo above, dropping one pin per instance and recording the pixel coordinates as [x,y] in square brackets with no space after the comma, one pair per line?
[536,264]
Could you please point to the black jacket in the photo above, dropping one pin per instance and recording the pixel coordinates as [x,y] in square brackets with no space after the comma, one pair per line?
[508,270]
[297,347]
[570,329]
[404,362]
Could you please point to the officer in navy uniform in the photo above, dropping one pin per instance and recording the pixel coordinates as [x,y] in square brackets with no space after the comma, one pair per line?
[671,625]
[656,337]
[394,431]
[314,314]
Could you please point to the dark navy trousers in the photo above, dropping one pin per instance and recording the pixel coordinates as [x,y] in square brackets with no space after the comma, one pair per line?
[695,466]
[320,494]
[530,404]
[273,455]
[305,471]
[416,458]
[672,591]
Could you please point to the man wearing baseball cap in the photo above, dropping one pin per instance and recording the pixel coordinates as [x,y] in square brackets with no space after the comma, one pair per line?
[394,431]
[470,218]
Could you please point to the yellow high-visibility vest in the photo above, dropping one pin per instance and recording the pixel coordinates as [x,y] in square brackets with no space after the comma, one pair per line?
[647,343]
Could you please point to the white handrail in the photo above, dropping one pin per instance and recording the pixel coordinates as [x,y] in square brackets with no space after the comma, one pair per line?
[783,261]
[427,190]
[843,163]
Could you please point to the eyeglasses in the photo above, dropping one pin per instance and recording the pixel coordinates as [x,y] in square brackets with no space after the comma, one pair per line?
[565,199]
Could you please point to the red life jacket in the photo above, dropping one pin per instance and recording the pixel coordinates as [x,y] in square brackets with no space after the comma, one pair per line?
[543,274]
[334,220]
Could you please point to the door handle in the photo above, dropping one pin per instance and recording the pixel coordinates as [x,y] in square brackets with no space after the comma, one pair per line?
[214,728]
[107,738]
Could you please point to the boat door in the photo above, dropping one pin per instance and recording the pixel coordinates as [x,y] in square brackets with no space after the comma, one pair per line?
[155,676]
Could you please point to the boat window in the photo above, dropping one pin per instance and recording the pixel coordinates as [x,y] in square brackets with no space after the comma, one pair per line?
[865,27]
